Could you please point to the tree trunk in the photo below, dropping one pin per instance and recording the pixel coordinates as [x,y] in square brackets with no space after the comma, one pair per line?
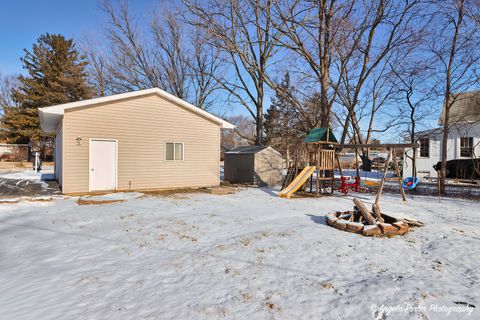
[414,163]
[259,118]
[288,155]
[259,128]
[443,169]
[448,103]
[366,163]
[412,140]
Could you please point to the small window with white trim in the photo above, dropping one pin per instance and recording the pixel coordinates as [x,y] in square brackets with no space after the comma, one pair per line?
[174,151]
[424,147]
[466,146]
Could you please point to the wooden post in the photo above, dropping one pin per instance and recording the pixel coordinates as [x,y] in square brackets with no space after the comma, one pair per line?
[397,172]
[356,164]
[337,158]
[317,192]
[377,213]
[338,163]
[385,170]
[310,162]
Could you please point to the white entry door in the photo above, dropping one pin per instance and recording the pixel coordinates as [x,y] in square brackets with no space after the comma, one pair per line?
[103,164]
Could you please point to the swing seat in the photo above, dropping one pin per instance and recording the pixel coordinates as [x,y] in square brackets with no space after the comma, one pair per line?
[410,183]
[370,183]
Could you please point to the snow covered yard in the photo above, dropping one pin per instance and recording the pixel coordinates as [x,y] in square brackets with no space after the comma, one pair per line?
[249,255]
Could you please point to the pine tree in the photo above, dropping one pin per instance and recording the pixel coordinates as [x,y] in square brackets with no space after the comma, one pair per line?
[281,121]
[56,75]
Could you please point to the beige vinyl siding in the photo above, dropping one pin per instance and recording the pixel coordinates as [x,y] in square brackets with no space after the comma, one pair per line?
[142,127]
[268,167]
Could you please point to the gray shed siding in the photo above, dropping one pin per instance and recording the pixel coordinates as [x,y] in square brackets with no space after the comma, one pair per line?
[238,168]
[262,167]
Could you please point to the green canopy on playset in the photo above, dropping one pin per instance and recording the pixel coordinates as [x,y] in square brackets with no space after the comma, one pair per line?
[320,135]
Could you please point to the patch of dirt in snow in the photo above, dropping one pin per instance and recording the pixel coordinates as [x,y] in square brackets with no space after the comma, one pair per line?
[108,198]
[243,256]
[181,193]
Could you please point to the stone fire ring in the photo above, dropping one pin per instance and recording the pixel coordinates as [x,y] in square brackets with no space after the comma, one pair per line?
[340,220]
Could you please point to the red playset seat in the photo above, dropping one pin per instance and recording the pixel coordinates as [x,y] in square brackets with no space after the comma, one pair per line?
[349,182]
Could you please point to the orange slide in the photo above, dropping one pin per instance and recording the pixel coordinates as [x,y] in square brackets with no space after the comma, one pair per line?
[297,182]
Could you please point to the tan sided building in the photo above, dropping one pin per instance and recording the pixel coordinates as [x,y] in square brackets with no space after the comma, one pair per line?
[141,140]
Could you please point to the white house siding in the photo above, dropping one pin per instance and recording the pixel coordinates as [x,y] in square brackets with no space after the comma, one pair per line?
[425,165]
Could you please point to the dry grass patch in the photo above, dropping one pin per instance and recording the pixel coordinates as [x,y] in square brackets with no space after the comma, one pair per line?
[176,193]
[9,201]
[41,199]
[222,190]
[173,192]
[81,201]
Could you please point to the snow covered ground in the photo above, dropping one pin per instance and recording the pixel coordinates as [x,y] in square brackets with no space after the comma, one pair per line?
[249,255]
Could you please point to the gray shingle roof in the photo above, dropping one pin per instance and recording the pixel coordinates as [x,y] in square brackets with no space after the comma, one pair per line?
[246,149]
[465,108]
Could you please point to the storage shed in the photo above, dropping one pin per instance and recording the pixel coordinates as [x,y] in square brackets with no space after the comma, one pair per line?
[253,164]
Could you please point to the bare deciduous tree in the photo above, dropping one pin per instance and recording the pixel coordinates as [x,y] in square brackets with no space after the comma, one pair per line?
[170,54]
[347,49]
[243,134]
[132,64]
[386,28]
[242,31]
[413,91]
[205,66]
[7,84]
[165,54]
[454,45]
[310,30]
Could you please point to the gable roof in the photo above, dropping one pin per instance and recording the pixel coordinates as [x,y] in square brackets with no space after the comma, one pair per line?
[246,149]
[50,117]
[250,149]
[465,108]
[320,134]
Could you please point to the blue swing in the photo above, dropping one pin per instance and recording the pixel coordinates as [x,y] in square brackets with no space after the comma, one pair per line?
[410,183]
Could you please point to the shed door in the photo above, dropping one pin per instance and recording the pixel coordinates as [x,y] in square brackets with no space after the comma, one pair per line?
[103,165]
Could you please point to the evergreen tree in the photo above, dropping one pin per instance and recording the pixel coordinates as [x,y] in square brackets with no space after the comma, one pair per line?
[56,75]
[282,121]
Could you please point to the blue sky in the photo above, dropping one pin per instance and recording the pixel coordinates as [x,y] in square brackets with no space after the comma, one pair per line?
[23,21]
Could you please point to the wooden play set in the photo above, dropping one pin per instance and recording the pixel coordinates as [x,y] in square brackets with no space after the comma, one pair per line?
[315,161]
[317,154]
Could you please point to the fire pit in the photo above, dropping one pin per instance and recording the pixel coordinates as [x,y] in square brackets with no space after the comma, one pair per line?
[367,223]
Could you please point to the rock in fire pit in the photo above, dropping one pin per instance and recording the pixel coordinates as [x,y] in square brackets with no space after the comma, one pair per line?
[367,223]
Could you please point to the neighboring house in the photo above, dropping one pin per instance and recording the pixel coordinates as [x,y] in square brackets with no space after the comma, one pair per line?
[259,165]
[147,139]
[463,141]
[13,152]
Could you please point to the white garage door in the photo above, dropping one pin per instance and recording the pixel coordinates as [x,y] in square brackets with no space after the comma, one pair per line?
[103,164]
